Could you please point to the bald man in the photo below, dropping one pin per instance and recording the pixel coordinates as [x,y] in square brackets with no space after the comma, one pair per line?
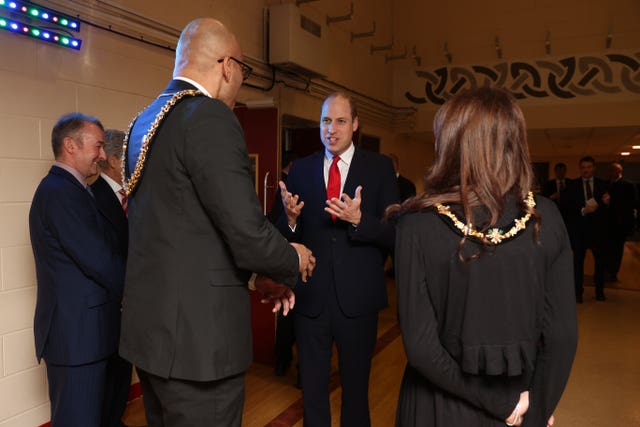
[196,232]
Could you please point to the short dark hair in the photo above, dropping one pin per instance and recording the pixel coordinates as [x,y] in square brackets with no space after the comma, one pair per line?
[588,159]
[559,166]
[70,125]
[289,156]
[349,98]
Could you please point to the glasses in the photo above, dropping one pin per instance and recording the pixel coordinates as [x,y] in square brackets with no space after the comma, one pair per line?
[246,69]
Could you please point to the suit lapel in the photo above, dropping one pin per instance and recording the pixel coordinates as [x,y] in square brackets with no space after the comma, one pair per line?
[356,171]
[318,176]
[108,202]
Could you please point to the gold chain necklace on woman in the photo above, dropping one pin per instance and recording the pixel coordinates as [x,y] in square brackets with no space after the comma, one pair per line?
[130,184]
[493,235]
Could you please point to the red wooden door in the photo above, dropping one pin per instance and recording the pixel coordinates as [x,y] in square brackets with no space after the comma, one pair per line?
[260,128]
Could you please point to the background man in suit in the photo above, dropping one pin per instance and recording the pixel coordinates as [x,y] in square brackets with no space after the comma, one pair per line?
[341,301]
[620,197]
[554,187]
[285,339]
[406,188]
[112,203]
[196,231]
[585,210]
[80,276]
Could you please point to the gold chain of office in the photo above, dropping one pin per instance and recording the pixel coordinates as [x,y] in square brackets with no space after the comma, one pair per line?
[130,184]
[493,235]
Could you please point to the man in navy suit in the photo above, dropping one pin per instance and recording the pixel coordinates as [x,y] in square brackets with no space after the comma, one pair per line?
[554,187]
[112,203]
[333,204]
[583,205]
[80,276]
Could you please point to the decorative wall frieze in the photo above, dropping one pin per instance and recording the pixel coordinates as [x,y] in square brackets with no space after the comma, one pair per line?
[565,78]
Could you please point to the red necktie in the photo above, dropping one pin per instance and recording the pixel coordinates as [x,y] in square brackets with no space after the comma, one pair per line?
[123,201]
[333,183]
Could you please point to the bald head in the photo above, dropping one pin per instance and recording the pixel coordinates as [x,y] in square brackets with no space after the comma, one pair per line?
[202,42]
[615,170]
[209,54]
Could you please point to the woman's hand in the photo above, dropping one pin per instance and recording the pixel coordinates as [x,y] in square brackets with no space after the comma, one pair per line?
[515,419]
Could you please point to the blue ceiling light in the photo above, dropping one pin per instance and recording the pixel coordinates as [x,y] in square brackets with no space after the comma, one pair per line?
[34,11]
[40,33]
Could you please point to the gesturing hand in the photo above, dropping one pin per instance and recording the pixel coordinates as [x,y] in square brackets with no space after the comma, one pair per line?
[347,209]
[290,203]
[280,295]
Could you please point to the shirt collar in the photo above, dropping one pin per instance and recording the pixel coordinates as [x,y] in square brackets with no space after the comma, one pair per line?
[112,183]
[194,83]
[346,157]
[76,174]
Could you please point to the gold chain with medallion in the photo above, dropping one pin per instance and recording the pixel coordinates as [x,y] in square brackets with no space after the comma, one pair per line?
[493,235]
[130,184]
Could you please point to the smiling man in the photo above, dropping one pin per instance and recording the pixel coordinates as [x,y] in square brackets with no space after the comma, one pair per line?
[333,203]
[80,280]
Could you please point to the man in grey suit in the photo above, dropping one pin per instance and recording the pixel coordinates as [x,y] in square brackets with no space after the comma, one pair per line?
[196,231]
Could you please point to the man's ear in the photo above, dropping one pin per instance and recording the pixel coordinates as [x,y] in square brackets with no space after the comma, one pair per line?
[226,69]
[355,124]
[69,145]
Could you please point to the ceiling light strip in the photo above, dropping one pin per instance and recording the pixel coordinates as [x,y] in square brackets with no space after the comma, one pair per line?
[40,33]
[34,11]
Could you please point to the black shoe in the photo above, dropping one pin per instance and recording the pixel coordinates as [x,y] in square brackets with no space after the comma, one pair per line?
[600,297]
[579,299]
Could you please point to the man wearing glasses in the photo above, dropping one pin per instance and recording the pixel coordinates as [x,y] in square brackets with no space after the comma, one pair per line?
[196,231]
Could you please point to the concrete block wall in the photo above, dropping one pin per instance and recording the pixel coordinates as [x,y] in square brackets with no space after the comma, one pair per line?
[111,78]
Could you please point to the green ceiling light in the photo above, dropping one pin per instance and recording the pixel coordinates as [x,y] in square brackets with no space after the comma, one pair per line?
[40,33]
[34,11]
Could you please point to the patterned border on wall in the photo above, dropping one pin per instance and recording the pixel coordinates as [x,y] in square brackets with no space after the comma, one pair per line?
[566,78]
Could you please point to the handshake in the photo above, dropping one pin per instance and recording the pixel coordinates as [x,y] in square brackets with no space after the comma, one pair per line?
[280,295]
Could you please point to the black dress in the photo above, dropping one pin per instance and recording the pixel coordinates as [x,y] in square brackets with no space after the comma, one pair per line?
[477,333]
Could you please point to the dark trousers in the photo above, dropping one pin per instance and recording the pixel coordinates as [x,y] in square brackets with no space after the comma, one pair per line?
[284,341]
[91,395]
[599,256]
[355,339]
[615,249]
[183,403]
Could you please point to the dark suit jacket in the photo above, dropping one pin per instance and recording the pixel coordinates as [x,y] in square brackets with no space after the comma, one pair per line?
[110,206]
[550,187]
[80,274]
[196,231]
[276,208]
[406,188]
[584,229]
[351,258]
[622,202]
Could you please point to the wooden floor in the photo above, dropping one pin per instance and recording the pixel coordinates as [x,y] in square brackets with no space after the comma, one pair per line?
[603,390]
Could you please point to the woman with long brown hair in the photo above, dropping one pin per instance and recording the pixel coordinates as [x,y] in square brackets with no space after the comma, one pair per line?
[484,277]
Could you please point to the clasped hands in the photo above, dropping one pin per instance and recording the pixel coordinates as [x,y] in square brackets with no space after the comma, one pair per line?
[516,417]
